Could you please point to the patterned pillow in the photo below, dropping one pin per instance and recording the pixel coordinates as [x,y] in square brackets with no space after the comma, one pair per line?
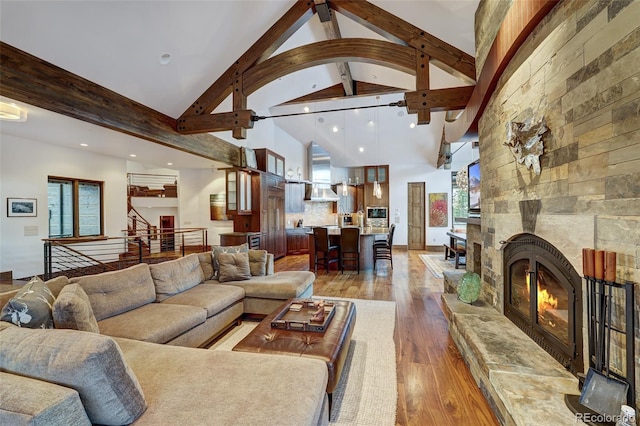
[233,267]
[258,262]
[216,250]
[31,306]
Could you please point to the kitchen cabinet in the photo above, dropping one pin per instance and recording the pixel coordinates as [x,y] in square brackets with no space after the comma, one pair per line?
[376,173]
[238,192]
[350,203]
[294,197]
[269,161]
[297,240]
[274,217]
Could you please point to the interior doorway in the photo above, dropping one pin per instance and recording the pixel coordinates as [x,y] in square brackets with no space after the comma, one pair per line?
[167,236]
[416,216]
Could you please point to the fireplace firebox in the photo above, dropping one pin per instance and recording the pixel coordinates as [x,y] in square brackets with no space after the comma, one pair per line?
[543,297]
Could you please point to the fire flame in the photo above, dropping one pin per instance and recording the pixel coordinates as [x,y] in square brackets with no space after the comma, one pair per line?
[546,300]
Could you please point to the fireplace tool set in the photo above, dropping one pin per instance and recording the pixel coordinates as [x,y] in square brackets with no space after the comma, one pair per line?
[606,389]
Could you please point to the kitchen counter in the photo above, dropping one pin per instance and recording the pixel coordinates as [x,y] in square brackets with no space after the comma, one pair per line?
[366,246]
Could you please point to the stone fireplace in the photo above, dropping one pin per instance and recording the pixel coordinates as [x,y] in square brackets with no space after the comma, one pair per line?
[543,297]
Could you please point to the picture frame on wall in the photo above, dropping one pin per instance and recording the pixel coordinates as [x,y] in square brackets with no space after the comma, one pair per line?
[22,207]
[438,210]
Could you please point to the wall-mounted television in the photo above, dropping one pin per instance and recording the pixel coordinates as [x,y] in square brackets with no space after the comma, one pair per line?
[473,178]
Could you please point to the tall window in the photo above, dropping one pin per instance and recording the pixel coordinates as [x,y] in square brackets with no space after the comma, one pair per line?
[459,200]
[75,208]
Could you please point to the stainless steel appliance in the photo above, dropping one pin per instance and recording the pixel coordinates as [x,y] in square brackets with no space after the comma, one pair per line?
[377,216]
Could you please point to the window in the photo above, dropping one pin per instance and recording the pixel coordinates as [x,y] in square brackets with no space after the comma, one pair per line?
[459,204]
[75,208]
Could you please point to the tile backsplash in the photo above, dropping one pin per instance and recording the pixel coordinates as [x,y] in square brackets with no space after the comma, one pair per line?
[315,214]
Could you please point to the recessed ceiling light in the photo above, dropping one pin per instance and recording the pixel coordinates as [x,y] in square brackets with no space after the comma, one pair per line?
[84,144]
[12,112]
[412,125]
[371,123]
[361,149]
[132,155]
[335,129]
[306,109]
[165,58]
[169,164]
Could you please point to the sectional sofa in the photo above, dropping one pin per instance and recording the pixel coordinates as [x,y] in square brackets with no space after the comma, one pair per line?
[125,351]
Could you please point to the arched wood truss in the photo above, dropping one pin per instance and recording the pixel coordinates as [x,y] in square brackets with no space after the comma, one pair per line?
[410,50]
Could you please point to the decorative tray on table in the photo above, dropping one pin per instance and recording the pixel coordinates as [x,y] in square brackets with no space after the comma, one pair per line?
[304,315]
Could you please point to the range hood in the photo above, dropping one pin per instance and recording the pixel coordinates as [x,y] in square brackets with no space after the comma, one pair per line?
[320,173]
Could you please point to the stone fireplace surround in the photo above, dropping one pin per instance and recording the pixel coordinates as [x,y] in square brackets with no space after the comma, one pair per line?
[577,70]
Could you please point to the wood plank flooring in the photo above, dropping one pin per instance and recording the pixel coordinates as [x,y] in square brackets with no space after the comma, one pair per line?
[435,386]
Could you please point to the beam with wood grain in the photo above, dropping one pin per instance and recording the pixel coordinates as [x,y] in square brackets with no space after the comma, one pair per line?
[218,122]
[288,24]
[449,99]
[28,79]
[443,55]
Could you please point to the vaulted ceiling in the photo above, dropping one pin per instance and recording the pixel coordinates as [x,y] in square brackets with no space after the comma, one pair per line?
[233,61]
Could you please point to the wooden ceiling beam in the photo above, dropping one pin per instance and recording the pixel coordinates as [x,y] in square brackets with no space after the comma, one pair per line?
[438,100]
[332,31]
[379,52]
[289,23]
[28,79]
[216,122]
[336,92]
[443,55]
[422,84]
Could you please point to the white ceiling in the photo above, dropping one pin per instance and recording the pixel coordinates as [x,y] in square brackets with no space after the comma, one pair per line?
[118,44]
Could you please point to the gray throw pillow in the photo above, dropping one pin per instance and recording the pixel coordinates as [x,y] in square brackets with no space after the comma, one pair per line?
[216,250]
[72,309]
[31,306]
[234,267]
[258,262]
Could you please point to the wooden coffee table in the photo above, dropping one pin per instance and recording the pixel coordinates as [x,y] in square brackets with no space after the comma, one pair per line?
[332,345]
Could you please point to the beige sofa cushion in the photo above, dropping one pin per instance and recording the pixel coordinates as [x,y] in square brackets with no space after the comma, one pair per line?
[258,262]
[72,309]
[233,267]
[173,276]
[25,401]
[57,284]
[206,263]
[281,285]
[155,322]
[206,387]
[112,293]
[90,363]
[213,298]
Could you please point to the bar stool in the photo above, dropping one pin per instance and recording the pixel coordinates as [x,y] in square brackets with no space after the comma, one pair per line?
[383,249]
[350,247]
[324,246]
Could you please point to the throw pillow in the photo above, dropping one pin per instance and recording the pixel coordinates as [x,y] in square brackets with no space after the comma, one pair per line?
[31,306]
[90,363]
[258,262]
[233,267]
[206,263]
[72,309]
[175,276]
[216,250]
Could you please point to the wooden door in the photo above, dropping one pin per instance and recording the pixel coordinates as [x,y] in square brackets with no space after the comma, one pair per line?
[167,236]
[416,211]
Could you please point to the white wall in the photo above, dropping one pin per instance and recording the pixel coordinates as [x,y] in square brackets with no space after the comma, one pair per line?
[25,166]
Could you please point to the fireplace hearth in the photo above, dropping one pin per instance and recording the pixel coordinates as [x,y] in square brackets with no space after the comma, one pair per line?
[543,297]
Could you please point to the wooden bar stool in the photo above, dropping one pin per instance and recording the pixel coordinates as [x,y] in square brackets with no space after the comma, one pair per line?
[350,247]
[323,245]
[383,249]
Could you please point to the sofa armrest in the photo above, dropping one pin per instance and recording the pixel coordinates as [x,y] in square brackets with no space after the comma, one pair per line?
[270,269]
[30,401]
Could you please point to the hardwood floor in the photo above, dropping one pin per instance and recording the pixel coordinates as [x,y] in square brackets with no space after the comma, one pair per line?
[435,386]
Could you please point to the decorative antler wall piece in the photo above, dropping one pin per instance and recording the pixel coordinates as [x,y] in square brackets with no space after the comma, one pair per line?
[525,142]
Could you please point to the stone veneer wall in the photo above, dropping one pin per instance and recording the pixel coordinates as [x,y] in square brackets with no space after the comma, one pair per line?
[578,69]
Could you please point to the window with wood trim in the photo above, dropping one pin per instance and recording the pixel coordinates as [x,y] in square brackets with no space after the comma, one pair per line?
[459,203]
[75,208]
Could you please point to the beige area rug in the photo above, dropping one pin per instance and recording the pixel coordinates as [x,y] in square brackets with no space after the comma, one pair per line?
[436,263]
[368,391]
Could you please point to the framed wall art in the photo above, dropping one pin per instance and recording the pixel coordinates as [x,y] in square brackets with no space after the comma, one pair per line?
[438,210]
[22,207]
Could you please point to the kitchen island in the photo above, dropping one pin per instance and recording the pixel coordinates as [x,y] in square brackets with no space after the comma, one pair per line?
[366,246]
